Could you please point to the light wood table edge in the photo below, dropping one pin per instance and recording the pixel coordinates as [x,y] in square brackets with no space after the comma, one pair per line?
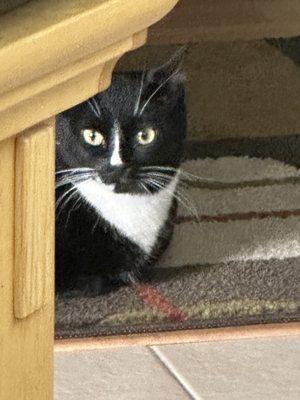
[59,33]
[46,97]
[182,336]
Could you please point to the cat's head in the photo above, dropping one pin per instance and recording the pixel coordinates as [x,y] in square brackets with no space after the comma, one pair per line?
[131,135]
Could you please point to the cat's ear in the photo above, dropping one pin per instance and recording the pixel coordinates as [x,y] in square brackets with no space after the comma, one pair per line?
[166,79]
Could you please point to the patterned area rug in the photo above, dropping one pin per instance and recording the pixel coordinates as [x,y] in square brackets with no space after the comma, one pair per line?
[235,255]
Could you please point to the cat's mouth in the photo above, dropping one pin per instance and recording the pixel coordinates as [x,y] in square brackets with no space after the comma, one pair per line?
[142,180]
[123,180]
[138,180]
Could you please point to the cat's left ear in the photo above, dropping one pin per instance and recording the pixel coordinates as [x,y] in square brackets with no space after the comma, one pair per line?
[168,78]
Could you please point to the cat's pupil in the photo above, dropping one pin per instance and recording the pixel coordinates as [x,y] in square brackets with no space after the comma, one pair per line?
[93,135]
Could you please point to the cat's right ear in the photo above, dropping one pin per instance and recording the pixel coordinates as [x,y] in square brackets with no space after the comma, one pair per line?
[166,79]
[171,70]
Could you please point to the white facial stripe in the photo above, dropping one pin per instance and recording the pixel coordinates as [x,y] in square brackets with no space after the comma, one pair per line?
[115,158]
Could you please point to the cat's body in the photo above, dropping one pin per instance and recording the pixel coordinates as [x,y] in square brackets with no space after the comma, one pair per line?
[121,152]
[90,248]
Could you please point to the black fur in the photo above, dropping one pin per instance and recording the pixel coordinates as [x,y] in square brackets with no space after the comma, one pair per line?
[89,251]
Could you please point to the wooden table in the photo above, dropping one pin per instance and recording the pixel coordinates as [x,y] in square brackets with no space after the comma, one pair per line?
[53,55]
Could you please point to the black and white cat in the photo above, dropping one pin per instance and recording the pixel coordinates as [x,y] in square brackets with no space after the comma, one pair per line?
[118,159]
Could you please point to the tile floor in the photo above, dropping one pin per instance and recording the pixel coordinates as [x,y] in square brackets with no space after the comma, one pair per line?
[260,369]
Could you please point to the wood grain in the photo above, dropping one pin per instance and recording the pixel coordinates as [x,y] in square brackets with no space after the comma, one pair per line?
[34,219]
[58,33]
[62,89]
[26,346]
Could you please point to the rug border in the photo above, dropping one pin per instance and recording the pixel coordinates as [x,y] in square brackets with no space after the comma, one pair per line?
[180,336]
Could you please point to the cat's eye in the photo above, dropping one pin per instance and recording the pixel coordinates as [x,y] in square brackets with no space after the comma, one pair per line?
[92,137]
[146,136]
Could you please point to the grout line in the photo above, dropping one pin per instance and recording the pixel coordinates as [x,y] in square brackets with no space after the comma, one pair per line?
[175,374]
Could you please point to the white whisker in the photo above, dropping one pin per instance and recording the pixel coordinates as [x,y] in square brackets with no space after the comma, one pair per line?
[74,205]
[73,170]
[144,187]
[185,174]
[190,177]
[95,225]
[163,176]
[59,200]
[97,106]
[67,200]
[182,199]
[159,168]
[94,106]
[73,179]
[189,201]
[155,91]
[137,104]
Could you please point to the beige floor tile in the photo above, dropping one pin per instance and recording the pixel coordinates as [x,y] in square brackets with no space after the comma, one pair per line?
[258,369]
[131,373]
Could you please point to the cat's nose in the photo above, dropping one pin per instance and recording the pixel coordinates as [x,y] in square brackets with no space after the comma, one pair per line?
[117,174]
[113,174]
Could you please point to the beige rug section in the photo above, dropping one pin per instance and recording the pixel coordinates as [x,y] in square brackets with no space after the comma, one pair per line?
[248,211]
[234,89]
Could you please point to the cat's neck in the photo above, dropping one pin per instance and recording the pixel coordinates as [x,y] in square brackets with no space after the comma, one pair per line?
[139,217]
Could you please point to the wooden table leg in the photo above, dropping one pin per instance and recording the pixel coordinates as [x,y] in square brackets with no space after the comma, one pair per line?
[27,264]
[27,245]
[66,75]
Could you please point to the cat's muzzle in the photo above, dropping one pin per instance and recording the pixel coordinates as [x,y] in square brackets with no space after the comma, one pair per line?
[122,177]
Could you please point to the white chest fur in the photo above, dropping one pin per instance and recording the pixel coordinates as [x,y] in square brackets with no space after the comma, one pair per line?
[138,217]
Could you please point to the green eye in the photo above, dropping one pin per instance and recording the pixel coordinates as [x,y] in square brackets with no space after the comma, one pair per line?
[146,136]
[92,137]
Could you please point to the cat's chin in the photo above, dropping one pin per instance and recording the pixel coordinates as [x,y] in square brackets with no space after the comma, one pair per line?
[130,188]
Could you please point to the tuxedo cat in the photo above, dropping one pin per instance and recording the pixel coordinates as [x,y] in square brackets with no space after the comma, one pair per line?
[118,159]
